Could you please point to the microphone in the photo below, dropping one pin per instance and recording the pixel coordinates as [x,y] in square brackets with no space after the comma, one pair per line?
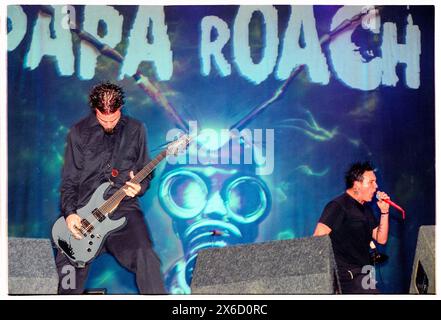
[393,204]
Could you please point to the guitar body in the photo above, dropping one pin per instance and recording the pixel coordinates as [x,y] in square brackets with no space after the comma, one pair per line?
[81,252]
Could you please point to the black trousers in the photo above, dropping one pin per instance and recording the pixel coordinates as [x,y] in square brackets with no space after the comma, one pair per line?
[132,248]
[354,281]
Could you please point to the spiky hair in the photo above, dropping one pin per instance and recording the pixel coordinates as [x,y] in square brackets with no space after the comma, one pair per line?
[356,171]
[106,97]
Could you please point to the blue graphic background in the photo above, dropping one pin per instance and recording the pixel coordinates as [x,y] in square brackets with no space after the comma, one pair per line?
[318,131]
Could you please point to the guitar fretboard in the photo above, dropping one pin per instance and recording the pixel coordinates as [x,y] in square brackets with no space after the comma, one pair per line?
[111,203]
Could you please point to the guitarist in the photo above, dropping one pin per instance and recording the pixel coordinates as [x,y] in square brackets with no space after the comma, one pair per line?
[109,146]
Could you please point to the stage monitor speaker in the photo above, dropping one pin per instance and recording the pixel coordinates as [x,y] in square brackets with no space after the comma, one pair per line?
[423,273]
[298,266]
[31,267]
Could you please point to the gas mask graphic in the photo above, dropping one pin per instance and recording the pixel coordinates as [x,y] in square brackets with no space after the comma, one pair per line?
[213,205]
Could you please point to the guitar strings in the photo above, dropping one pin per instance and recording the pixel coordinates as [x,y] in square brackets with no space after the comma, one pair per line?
[119,195]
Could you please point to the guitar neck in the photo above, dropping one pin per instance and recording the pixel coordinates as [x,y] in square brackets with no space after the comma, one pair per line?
[112,203]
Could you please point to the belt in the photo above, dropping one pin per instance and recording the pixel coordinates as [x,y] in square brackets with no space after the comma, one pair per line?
[353,272]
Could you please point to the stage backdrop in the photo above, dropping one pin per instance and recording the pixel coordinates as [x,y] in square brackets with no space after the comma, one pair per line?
[313,88]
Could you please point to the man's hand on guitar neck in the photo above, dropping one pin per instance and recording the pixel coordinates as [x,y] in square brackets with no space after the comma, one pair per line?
[132,189]
[73,222]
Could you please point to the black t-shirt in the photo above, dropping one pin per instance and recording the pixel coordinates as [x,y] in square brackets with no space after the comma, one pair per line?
[352,224]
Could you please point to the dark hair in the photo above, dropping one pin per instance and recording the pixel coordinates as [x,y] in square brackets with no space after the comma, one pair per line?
[356,171]
[106,97]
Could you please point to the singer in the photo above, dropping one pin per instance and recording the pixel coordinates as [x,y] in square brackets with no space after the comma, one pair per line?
[351,225]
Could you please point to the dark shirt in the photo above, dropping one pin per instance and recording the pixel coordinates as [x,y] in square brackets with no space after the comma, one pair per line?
[90,156]
[352,224]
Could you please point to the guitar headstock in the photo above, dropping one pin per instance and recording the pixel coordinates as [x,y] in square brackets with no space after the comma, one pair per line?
[179,145]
